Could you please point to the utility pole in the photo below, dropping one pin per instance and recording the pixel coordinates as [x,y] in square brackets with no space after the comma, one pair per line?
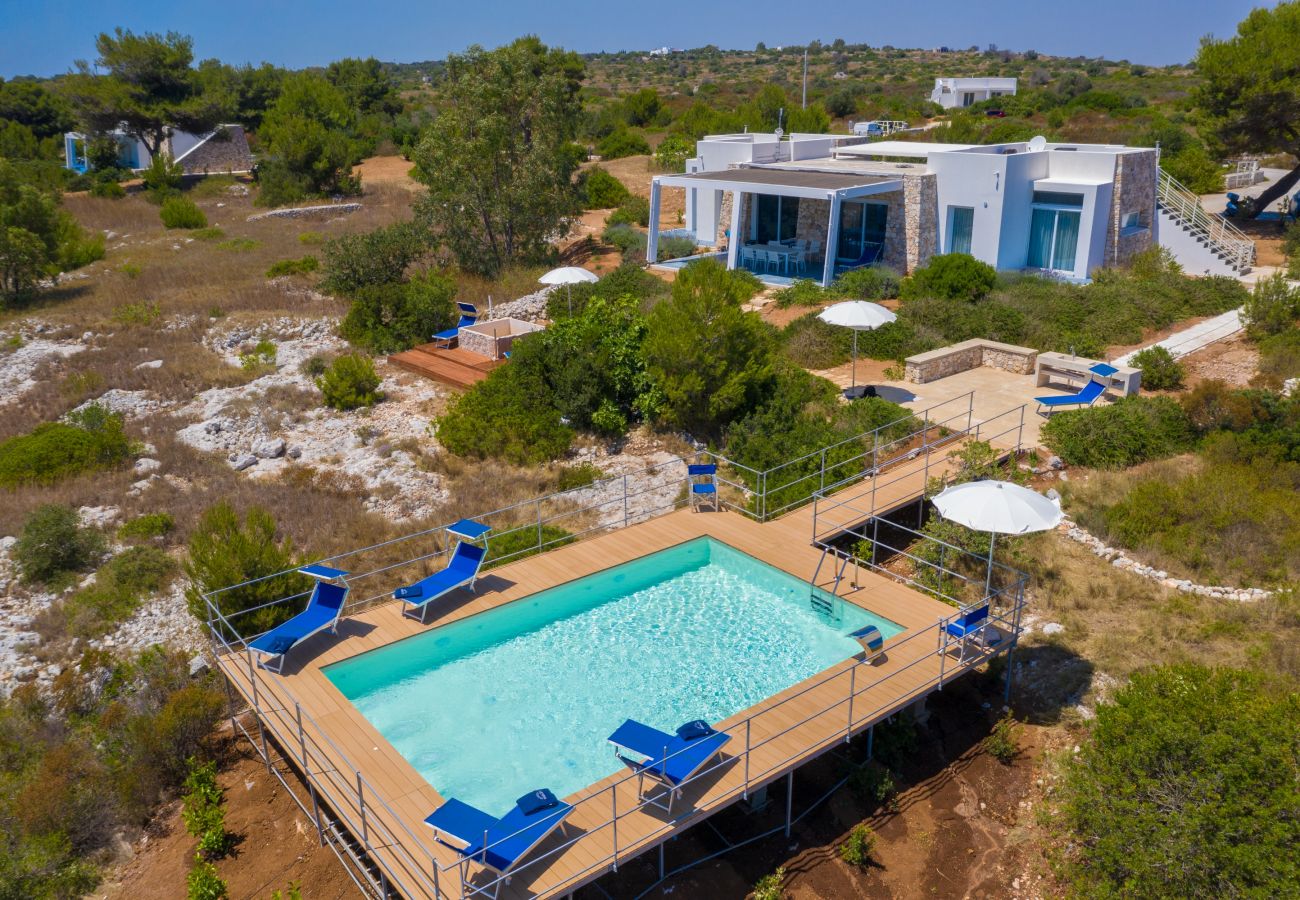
[805,78]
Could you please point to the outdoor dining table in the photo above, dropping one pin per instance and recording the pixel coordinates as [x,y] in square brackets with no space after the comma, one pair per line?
[786,253]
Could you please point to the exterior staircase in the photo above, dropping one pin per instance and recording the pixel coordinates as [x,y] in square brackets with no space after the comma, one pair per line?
[1201,242]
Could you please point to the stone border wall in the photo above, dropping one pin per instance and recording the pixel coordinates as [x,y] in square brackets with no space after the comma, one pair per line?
[936,364]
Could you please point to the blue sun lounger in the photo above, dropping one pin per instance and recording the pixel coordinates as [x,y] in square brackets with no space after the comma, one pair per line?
[497,844]
[468,316]
[324,607]
[670,759]
[1087,396]
[461,571]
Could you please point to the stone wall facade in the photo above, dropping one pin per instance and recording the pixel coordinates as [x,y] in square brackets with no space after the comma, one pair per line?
[1135,191]
[935,364]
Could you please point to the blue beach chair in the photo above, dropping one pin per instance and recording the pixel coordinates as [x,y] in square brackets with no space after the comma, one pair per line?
[468,316]
[497,844]
[461,571]
[324,607]
[971,629]
[703,478]
[670,759]
[1085,397]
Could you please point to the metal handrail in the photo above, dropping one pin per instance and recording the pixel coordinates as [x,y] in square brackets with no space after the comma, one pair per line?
[1185,206]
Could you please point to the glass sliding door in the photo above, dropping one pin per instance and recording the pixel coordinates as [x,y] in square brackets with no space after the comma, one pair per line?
[774,218]
[961,225]
[1053,239]
[861,225]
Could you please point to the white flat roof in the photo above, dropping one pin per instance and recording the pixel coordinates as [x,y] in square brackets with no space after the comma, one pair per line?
[914,149]
[1068,182]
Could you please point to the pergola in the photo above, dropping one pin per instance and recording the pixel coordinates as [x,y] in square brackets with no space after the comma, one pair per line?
[834,187]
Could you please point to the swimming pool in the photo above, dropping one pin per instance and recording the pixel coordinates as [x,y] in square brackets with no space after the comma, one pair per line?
[524,696]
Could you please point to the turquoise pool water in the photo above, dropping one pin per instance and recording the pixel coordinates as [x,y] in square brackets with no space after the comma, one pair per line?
[524,696]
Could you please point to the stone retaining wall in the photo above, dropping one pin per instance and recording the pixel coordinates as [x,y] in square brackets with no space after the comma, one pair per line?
[936,364]
[306,212]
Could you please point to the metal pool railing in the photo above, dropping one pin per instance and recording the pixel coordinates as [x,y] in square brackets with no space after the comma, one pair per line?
[360,810]
[827,712]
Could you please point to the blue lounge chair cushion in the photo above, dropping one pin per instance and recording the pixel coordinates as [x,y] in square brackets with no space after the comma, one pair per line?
[1090,392]
[449,335]
[281,639]
[704,488]
[668,756]
[463,567]
[702,469]
[697,728]
[536,800]
[464,828]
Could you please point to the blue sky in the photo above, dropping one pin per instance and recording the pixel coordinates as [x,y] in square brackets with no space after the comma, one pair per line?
[44,37]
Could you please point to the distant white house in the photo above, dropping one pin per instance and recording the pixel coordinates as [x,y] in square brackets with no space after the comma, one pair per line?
[224,149]
[665,51]
[952,93]
[813,206]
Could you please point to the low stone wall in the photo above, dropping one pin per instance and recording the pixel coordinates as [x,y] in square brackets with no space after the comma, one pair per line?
[936,364]
[307,212]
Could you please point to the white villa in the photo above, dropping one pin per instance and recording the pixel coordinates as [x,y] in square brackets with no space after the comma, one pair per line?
[224,149]
[951,93]
[815,205]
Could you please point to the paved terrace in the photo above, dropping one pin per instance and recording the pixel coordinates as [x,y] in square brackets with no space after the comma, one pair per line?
[381,800]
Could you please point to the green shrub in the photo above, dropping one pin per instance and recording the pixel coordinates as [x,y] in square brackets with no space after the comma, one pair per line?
[872,782]
[1187,787]
[601,190]
[860,846]
[632,211]
[311,238]
[1160,371]
[804,292]
[261,356]
[91,439]
[314,365]
[147,526]
[119,586]
[141,314]
[672,153]
[867,283]
[579,476]
[627,239]
[181,212]
[53,545]
[896,741]
[674,246]
[108,190]
[951,276]
[350,382]
[303,266]
[203,811]
[211,233]
[1003,742]
[162,179]
[203,882]
[225,551]
[1194,167]
[80,249]
[1125,433]
[622,142]
[387,318]
[355,261]
[770,887]
[1279,356]
[509,415]
[1272,307]
[239,245]
[814,344]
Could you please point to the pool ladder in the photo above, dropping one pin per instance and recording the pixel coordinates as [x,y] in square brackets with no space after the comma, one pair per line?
[820,603]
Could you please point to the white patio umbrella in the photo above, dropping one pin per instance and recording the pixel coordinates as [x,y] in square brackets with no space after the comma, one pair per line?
[859,315]
[569,276]
[998,507]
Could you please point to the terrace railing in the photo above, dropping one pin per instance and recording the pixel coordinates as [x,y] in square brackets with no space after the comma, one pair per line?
[530,527]
[1224,238]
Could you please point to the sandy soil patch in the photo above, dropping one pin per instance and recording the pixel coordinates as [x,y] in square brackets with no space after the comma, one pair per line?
[387,170]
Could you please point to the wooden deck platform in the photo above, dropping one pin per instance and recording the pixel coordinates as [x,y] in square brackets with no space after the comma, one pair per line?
[346,757]
[454,366]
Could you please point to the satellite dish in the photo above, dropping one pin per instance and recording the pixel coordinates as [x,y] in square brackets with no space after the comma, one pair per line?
[1037,144]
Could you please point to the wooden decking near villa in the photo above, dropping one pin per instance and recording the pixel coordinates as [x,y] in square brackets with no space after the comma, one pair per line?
[377,796]
[453,366]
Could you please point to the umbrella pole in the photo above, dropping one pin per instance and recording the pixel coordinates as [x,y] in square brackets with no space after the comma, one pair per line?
[854,388]
[988,579]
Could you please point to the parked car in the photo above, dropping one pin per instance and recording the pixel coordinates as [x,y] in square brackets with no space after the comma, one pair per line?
[995,113]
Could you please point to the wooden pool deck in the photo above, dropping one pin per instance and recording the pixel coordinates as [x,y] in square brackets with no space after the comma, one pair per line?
[345,757]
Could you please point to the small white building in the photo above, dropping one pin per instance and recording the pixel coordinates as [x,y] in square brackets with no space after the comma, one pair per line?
[954,93]
[813,206]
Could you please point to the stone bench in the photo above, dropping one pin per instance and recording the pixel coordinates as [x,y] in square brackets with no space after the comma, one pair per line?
[935,364]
